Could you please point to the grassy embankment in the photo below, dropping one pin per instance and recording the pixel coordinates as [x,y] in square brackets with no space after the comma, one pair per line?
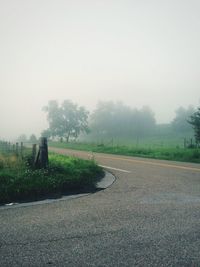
[21,182]
[166,153]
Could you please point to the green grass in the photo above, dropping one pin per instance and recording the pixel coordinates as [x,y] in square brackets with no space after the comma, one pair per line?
[167,153]
[154,141]
[20,182]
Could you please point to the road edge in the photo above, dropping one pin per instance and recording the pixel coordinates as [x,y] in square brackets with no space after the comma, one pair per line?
[104,183]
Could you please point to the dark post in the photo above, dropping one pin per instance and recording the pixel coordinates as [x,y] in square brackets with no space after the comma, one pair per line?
[9,147]
[21,149]
[34,150]
[43,153]
[5,146]
[17,149]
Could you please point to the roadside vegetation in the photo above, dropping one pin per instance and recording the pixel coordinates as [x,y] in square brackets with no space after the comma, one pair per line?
[166,153]
[114,127]
[19,181]
[119,129]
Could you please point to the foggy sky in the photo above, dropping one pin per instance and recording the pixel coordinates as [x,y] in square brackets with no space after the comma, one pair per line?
[139,52]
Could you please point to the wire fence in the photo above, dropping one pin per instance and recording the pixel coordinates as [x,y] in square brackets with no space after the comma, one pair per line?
[15,148]
[39,156]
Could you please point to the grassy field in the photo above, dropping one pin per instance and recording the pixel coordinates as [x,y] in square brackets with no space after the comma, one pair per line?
[163,140]
[20,182]
[168,153]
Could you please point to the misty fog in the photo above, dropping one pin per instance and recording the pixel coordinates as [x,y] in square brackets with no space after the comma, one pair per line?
[140,53]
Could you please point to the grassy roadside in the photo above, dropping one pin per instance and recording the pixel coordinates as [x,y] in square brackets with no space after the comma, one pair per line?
[176,154]
[20,182]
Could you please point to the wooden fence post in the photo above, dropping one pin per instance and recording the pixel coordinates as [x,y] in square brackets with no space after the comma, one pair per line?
[9,147]
[43,152]
[17,149]
[21,148]
[34,150]
[42,157]
[6,147]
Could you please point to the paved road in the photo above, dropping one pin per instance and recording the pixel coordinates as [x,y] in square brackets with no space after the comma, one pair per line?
[150,216]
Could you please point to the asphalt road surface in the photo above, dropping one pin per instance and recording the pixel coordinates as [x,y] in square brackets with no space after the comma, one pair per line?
[150,216]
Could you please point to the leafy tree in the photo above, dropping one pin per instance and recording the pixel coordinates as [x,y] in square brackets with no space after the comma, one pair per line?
[180,122]
[195,122]
[67,120]
[33,138]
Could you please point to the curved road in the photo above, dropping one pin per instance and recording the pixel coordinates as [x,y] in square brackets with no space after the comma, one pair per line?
[150,216]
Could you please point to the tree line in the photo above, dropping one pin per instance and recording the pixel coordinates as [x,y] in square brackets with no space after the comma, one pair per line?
[111,119]
[68,121]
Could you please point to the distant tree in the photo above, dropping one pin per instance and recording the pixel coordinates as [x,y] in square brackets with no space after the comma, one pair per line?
[103,119]
[33,139]
[144,122]
[22,138]
[180,122]
[110,119]
[66,121]
[195,122]
[118,120]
